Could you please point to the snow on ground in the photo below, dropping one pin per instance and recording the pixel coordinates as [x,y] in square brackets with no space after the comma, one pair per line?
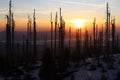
[84,74]
[35,74]
[2,78]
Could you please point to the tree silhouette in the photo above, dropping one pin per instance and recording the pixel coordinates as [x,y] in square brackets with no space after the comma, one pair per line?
[48,68]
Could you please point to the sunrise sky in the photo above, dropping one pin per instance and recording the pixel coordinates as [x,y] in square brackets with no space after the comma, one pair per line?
[72,11]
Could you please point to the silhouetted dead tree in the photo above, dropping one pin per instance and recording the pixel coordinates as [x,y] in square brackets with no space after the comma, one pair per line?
[107,32]
[51,33]
[61,42]
[90,46]
[99,46]
[102,40]
[70,38]
[34,31]
[55,41]
[48,68]
[28,41]
[7,42]
[10,37]
[78,46]
[86,45]
[23,49]
[61,33]
[94,35]
[117,43]
[45,41]
[113,37]
[13,28]
[27,51]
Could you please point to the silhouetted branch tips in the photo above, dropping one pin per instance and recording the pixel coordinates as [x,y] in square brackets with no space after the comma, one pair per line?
[34,29]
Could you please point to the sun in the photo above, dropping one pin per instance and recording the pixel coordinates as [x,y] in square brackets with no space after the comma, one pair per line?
[79,23]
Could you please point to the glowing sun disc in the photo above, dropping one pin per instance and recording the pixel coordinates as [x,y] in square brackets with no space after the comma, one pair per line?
[79,23]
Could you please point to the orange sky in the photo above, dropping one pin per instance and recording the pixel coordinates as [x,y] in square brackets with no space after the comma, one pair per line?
[86,10]
[44,24]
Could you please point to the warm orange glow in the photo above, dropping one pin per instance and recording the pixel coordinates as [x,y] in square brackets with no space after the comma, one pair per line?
[79,23]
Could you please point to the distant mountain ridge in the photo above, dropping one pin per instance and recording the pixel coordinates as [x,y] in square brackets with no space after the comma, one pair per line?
[41,35]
